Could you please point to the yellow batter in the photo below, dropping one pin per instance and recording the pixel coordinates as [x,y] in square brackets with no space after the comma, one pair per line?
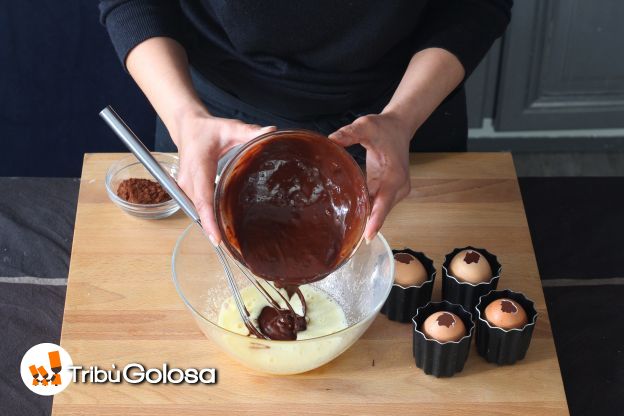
[324,315]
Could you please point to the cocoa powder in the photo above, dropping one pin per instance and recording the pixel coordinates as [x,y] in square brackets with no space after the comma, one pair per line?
[142,191]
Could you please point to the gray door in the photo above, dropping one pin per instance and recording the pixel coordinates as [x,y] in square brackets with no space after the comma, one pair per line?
[562,66]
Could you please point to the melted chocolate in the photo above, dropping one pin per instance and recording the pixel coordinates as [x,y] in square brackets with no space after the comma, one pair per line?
[290,289]
[404,258]
[280,324]
[472,257]
[277,323]
[446,319]
[293,207]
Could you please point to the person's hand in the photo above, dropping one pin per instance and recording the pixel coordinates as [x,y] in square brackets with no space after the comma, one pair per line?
[202,139]
[386,140]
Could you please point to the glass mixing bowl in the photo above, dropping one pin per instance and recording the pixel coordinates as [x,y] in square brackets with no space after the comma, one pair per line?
[360,287]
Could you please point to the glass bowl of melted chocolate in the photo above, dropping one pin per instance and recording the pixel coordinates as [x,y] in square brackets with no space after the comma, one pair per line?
[292,207]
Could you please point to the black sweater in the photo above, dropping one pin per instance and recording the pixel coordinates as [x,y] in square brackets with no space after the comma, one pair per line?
[299,58]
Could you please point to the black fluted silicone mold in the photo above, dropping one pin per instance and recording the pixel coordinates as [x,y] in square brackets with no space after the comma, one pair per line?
[402,301]
[504,346]
[441,359]
[465,293]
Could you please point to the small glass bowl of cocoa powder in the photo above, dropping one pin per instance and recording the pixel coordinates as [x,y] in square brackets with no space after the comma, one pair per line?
[133,189]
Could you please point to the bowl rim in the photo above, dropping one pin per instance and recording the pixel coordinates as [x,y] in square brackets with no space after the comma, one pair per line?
[231,163]
[375,310]
[127,161]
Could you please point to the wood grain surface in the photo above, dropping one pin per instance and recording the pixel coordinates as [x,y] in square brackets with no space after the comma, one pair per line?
[122,307]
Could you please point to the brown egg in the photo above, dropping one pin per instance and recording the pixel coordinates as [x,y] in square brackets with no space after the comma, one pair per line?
[506,313]
[408,270]
[470,266]
[444,326]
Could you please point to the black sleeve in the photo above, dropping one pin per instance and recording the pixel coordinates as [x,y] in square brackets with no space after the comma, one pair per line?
[466,28]
[130,22]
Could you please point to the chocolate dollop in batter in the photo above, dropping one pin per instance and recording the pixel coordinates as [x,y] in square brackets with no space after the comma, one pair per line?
[283,324]
[280,324]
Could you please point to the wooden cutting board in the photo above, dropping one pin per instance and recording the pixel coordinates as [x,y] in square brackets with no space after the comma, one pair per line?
[122,307]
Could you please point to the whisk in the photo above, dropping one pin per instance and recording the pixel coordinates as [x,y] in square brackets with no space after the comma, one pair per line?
[134,144]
